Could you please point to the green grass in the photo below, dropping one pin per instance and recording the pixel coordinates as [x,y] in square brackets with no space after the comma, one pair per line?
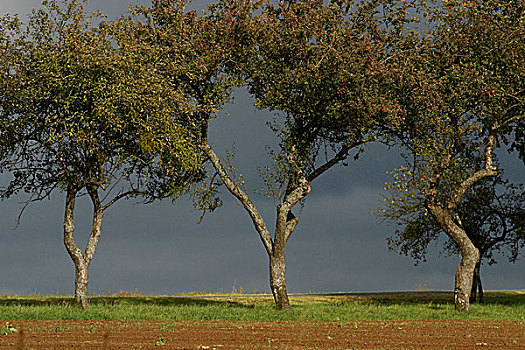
[438,306]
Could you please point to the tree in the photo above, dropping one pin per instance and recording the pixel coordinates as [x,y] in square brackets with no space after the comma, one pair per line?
[323,69]
[463,94]
[85,114]
[491,213]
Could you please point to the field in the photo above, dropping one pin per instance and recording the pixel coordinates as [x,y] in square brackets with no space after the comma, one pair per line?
[356,321]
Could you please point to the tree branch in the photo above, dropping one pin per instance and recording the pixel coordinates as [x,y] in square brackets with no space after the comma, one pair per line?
[98,213]
[340,156]
[238,193]
[488,170]
[290,226]
[119,197]
[69,227]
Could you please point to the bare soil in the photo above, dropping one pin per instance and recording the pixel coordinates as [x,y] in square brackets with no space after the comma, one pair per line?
[419,334]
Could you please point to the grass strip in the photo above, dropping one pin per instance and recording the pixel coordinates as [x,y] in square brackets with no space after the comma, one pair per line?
[405,306]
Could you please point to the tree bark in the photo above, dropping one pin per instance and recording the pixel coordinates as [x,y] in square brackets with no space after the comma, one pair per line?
[480,289]
[238,193]
[464,278]
[278,280]
[275,248]
[444,215]
[81,285]
[298,188]
[474,289]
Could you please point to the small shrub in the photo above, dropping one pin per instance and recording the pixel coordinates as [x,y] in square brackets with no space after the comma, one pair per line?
[161,341]
[8,329]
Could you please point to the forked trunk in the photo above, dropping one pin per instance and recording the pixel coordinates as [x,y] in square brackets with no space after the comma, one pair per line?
[81,260]
[278,280]
[446,216]
[297,189]
[464,278]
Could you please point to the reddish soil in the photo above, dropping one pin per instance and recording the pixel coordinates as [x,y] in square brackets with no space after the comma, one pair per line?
[265,335]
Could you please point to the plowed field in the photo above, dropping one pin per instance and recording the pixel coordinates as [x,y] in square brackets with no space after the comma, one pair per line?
[412,334]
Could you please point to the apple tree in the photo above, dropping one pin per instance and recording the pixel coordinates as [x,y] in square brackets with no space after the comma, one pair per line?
[84,113]
[464,97]
[323,68]
[491,213]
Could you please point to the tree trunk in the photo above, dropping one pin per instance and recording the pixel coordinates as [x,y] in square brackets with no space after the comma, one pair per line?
[464,278]
[470,255]
[284,227]
[81,285]
[450,222]
[476,286]
[278,280]
[81,275]
[480,289]
[474,289]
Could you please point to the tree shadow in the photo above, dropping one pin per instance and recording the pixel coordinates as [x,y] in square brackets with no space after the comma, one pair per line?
[509,298]
[123,300]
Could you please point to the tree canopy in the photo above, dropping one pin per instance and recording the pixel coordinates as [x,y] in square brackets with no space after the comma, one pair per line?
[81,111]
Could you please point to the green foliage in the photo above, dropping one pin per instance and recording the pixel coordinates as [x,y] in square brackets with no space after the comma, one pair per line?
[469,83]
[463,89]
[274,177]
[518,140]
[326,73]
[191,53]
[82,106]
[8,329]
[196,57]
[161,341]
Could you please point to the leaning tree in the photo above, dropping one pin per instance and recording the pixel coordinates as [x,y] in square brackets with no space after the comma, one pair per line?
[83,113]
[492,214]
[464,94]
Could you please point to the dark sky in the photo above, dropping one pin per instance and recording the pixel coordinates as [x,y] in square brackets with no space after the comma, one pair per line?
[160,249]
